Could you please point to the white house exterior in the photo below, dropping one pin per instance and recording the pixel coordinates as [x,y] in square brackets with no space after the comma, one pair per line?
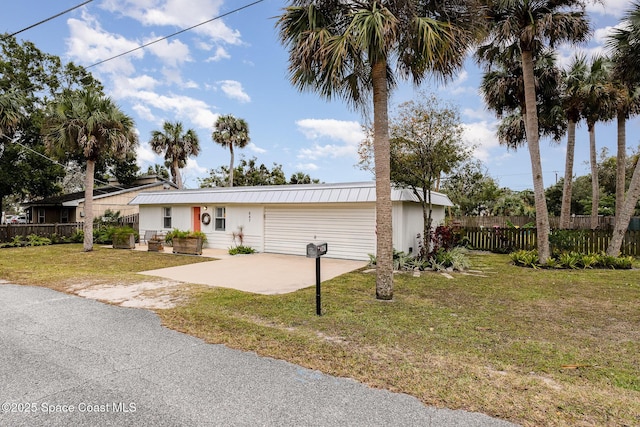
[285,218]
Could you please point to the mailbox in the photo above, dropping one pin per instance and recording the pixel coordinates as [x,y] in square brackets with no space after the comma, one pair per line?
[316,250]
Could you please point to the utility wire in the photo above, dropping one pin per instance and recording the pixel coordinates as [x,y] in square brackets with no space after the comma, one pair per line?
[176,33]
[66,167]
[45,20]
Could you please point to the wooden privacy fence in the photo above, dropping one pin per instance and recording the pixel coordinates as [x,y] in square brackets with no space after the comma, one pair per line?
[9,231]
[513,239]
[578,222]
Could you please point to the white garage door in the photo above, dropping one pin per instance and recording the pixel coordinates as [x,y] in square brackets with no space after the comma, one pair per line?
[349,231]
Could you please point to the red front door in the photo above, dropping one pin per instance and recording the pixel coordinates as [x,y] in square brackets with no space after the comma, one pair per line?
[196,218]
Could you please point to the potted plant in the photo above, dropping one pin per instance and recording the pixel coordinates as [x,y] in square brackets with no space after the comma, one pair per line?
[186,242]
[155,243]
[124,238]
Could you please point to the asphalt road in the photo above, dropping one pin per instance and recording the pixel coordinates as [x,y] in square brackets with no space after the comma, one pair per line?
[66,360]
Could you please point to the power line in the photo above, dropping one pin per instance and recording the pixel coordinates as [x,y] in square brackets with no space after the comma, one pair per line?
[45,20]
[176,33]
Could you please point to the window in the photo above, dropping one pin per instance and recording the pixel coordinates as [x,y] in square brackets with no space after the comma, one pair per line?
[221,219]
[64,216]
[167,218]
[41,216]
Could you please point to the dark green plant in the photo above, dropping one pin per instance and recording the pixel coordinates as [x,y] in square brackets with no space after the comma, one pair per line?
[241,249]
[565,240]
[183,234]
[35,240]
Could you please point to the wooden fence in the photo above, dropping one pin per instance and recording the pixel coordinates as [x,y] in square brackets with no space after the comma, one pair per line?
[582,222]
[513,239]
[9,231]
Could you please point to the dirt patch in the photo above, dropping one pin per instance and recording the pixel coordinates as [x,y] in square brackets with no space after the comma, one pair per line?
[151,295]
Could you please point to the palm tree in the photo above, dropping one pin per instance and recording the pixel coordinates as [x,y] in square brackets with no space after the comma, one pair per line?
[347,48]
[531,25]
[502,88]
[10,112]
[599,105]
[626,57]
[177,147]
[229,132]
[573,103]
[92,125]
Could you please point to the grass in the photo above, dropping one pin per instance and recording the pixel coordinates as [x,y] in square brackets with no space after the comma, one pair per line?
[537,347]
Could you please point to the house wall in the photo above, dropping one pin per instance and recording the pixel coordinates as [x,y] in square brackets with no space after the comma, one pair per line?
[339,220]
[117,202]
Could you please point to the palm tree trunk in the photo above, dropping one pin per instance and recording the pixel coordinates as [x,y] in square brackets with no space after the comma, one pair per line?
[382,156]
[88,206]
[565,211]
[533,142]
[231,165]
[624,214]
[595,185]
[621,161]
[177,178]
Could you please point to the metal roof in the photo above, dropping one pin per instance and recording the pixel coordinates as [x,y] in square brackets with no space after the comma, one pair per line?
[356,192]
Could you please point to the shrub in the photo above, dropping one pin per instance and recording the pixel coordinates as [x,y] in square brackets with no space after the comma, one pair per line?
[572,260]
[241,249]
[183,234]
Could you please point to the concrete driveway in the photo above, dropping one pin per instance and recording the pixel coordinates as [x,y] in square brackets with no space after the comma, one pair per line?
[260,273]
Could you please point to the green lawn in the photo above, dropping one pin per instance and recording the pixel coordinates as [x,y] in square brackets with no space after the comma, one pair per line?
[537,347]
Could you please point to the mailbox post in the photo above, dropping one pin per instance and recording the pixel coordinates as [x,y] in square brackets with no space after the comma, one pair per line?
[316,250]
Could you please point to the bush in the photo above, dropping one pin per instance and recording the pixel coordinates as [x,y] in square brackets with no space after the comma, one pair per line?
[183,234]
[241,249]
[455,259]
[572,260]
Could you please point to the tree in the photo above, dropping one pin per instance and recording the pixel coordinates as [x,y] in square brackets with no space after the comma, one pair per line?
[302,178]
[158,170]
[177,147]
[599,105]
[347,49]
[249,173]
[471,189]
[529,25]
[87,122]
[625,41]
[573,102]
[426,142]
[230,132]
[32,78]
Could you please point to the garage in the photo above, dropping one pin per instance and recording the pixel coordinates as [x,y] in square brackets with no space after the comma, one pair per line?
[349,230]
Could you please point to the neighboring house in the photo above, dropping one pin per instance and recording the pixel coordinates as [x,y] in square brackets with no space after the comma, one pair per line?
[70,207]
[285,218]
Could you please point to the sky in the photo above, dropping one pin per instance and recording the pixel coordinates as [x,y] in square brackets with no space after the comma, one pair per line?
[236,65]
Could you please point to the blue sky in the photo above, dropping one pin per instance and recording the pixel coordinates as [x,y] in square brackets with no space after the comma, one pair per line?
[236,65]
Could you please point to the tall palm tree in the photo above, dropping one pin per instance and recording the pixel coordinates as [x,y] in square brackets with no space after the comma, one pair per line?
[10,112]
[502,88]
[573,103]
[347,49]
[177,147]
[626,56]
[530,25]
[599,105]
[89,123]
[229,132]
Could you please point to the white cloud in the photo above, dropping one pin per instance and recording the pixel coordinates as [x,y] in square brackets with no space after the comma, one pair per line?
[609,7]
[349,133]
[144,112]
[145,155]
[171,53]
[178,13]
[305,167]
[233,89]
[183,107]
[483,136]
[253,147]
[220,54]
[88,43]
